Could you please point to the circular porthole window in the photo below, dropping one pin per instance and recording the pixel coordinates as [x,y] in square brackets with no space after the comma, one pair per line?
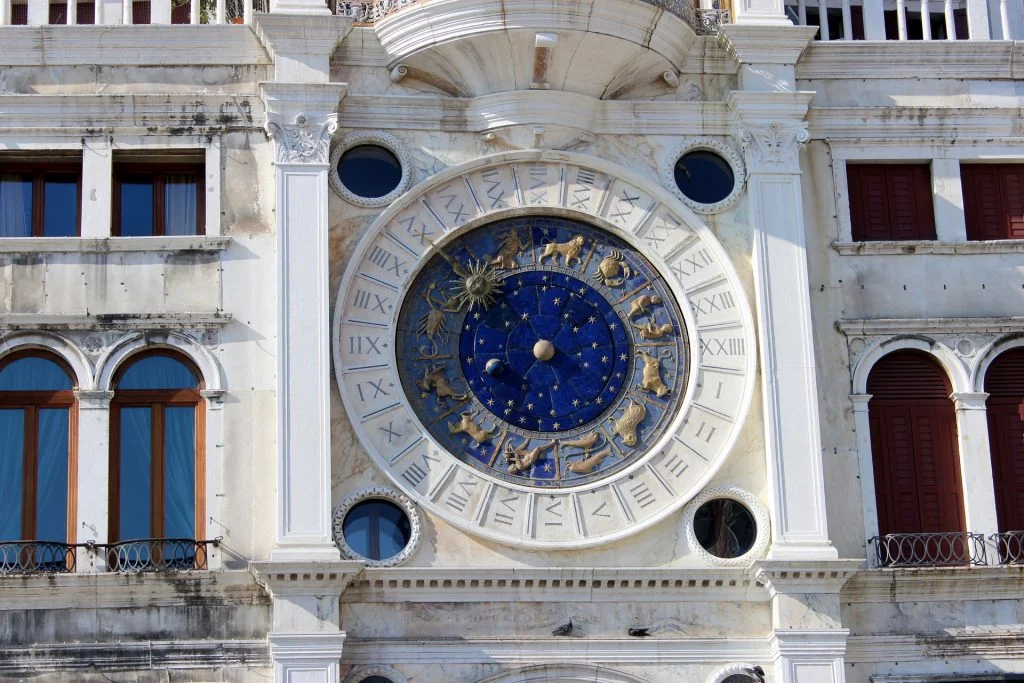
[726,526]
[374,674]
[376,525]
[706,174]
[369,168]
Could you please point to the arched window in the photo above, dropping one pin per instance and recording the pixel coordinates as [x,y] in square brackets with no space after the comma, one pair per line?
[156,454]
[914,446]
[1004,382]
[37,426]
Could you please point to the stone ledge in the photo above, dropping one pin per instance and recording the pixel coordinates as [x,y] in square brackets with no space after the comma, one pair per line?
[937,326]
[908,247]
[971,643]
[125,656]
[118,321]
[914,60]
[935,584]
[106,245]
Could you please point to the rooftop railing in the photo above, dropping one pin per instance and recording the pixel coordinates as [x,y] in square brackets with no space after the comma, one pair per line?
[1009,547]
[85,12]
[906,19]
[944,549]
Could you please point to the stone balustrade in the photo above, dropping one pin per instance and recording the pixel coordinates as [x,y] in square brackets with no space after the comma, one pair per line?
[908,19]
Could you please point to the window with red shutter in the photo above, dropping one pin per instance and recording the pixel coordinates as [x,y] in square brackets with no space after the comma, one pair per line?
[890,202]
[914,446]
[1004,383]
[993,201]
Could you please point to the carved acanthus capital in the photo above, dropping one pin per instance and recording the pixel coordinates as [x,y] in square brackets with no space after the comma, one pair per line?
[773,147]
[302,139]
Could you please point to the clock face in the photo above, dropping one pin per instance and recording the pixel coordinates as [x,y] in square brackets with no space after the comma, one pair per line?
[542,351]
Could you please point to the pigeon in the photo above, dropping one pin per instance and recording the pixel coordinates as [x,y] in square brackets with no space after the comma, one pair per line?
[639,632]
[563,630]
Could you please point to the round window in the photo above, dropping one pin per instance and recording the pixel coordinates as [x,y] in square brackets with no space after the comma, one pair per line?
[704,176]
[375,679]
[369,171]
[725,528]
[377,529]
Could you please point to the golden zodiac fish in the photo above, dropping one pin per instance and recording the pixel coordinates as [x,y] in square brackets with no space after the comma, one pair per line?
[567,250]
[586,442]
[519,459]
[433,323]
[435,381]
[587,465]
[652,376]
[466,425]
[510,248]
[626,425]
[651,331]
[610,267]
[642,304]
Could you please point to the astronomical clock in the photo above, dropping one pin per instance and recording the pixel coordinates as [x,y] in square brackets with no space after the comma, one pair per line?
[543,353]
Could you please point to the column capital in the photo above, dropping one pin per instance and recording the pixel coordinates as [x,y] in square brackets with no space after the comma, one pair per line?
[860,402]
[771,129]
[93,400]
[301,118]
[969,400]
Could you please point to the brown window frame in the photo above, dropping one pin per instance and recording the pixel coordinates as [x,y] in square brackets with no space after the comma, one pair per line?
[159,172]
[31,402]
[923,203]
[39,171]
[156,400]
[975,228]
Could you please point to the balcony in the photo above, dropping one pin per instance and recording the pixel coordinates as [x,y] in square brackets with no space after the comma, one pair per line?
[903,20]
[944,549]
[132,557]
[128,12]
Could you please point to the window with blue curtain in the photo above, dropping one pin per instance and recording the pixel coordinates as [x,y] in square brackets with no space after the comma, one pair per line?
[156,457]
[36,410]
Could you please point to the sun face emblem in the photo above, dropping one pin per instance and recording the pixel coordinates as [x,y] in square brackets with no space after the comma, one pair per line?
[477,285]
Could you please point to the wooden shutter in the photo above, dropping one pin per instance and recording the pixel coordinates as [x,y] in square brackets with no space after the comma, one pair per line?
[914,446]
[141,12]
[993,200]
[857,19]
[1004,383]
[181,14]
[960,23]
[890,202]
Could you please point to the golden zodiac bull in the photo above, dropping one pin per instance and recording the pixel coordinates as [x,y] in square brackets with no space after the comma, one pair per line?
[642,304]
[466,425]
[587,465]
[519,459]
[435,381]
[626,425]
[652,376]
[567,250]
[651,331]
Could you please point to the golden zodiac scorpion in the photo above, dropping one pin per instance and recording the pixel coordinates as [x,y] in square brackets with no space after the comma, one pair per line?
[433,323]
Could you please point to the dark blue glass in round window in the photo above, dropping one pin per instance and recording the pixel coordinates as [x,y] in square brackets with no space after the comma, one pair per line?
[704,176]
[377,529]
[375,679]
[369,171]
[725,528]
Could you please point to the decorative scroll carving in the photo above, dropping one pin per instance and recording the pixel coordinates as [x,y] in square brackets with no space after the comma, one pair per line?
[303,141]
[774,148]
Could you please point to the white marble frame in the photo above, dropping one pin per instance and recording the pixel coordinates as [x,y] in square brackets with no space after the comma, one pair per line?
[944,162]
[358,674]
[710,144]
[380,139]
[377,493]
[736,669]
[757,510]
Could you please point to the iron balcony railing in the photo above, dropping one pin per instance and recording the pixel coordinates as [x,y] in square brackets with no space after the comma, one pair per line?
[942,549]
[133,556]
[1009,547]
[703,21]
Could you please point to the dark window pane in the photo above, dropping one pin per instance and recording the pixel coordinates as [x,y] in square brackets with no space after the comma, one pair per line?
[377,529]
[180,204]
[33,374]
[52,478]
[135,468]
[180,472]
[357,531]
[141,12]
[725,528]
[12,473]
[137,206]
[704,176]
[15,205]
[393,531]
[86,13]
[181,12]
[19,14]
[60,213]
[375,679]
[369,171]
[157,372]
[58,13]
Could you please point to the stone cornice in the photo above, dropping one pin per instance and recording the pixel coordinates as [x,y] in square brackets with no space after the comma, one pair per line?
[899,125]
[118,321]
[126,655]
[972,644]
[88,245]
[137,45]
[751,44]
[894,59]
[935,585]
[910,247]
[561,584]
[789,577]
[940,326]
[319,577]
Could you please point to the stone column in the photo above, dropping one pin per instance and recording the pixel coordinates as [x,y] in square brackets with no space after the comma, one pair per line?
[93,475]
[760,12]
[301,117]
[874,19]
[869,499]
[808,642]
[306,639]
[772,130]
[948,198]
[97,186]
[977,20]
[976,477]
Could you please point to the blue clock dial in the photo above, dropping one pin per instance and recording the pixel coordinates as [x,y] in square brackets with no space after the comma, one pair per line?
[542,350]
